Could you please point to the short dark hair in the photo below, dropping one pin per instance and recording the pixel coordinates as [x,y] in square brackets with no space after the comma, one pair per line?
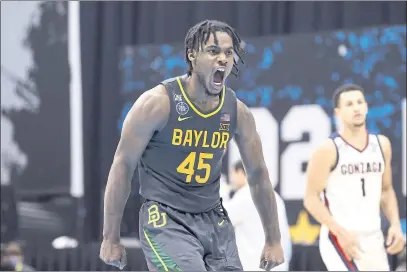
[238,166]
[199,34]
[343,89]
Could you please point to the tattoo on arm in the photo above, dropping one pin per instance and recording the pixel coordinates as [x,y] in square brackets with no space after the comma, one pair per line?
[249,144]
[146,116]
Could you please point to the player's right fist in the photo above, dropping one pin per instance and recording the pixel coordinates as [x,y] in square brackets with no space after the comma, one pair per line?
[350,244]
[113,254]
[395,242]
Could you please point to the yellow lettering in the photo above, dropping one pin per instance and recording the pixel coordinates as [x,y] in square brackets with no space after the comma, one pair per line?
[176,136]
[187,167]
[204,144]
[154,216]
[201,138]
[188,138]
[204,166]
[225,139]
[197,136]
[215,139]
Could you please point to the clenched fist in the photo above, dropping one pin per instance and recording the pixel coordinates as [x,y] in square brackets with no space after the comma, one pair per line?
[395,241]
[113,254]
[272,256]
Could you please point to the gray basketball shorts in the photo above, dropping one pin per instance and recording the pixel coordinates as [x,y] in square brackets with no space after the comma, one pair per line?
[177,241]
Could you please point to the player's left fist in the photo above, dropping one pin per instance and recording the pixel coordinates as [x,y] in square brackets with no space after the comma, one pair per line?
[395,241]
[272,256]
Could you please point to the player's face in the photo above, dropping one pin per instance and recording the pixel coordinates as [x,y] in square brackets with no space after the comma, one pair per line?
[352,108]
[214,62]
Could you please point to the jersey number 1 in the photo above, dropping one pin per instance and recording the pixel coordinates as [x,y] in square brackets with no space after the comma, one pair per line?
[363,187]
[187,167]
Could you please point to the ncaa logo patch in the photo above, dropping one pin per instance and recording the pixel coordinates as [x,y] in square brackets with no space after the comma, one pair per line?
[182,108]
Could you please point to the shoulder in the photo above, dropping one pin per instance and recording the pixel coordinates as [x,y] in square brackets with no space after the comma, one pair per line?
[325,157]
[171,80]
[231,92]
[245,119]
[326,150]
[243,112]
[230,96]
[385,144]
[383,141]
[153,105]
[241,106]
[155,100]
[327,146]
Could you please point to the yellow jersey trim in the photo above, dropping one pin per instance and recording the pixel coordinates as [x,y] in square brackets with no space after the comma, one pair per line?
[196,109]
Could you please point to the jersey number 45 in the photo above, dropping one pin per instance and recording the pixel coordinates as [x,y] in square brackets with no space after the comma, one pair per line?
[187,167]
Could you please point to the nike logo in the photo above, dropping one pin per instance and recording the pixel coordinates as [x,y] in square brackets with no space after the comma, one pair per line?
[183,118]
[221,223]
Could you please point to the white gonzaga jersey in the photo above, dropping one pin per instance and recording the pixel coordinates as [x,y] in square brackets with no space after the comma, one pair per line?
[354,186]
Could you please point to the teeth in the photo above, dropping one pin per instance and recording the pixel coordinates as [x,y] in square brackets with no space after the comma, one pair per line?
[221,69]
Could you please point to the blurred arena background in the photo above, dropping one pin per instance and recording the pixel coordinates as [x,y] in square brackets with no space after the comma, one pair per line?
[70,71]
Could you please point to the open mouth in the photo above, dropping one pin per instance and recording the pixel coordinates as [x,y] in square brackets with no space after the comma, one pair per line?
[218,76]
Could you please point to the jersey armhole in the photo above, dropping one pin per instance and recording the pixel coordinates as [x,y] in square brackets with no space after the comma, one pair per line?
[380,147]
[337,154]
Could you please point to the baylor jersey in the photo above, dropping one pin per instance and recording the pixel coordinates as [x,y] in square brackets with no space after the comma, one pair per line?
[182,163]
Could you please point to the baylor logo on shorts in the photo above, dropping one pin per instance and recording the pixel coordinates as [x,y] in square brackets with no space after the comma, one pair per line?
[157,219]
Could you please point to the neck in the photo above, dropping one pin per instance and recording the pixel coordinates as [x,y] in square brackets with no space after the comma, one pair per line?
[353,132]
[197,91]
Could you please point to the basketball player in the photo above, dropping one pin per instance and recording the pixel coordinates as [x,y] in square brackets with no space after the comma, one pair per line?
[247,224]
[353,170]
[177,134]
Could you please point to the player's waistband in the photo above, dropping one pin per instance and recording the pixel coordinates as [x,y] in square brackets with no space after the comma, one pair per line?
[218,207]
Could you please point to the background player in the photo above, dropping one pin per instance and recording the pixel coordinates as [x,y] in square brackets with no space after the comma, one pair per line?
[178,137]
[353,169]
[247,224]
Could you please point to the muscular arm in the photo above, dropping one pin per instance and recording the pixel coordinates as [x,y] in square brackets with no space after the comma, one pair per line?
[262,192]
[388,201]
[148,114]
[318,171]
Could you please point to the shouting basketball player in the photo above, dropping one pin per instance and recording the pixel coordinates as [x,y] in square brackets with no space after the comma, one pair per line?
[177,134]
[353,170]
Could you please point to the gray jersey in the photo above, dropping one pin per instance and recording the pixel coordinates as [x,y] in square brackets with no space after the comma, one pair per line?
[181,165]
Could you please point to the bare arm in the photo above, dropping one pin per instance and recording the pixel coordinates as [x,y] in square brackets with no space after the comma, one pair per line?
[318,171]
[249,144]
[148,114]
[388,201]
